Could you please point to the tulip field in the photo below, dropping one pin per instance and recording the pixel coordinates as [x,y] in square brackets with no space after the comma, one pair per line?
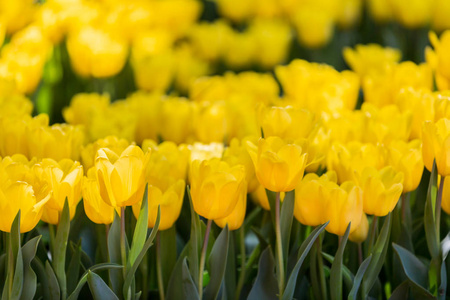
[224,149]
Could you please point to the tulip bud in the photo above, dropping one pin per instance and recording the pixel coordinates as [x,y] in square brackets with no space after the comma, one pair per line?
[279,166]
[360,233]
[215,187]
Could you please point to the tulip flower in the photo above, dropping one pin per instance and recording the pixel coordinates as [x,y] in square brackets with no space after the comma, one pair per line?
[279,166]
[381,190]
[121,178]
[215,187]
[259,196]
[236,218]
[360,233]
[97,210]
[111,142]
[436,145]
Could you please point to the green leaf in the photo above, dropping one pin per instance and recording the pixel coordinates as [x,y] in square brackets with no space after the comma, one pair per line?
[217,263]
[230,271]
[347,274]
[59,255]
[43,280]
[189,287]
[140,231]
[83,278]
[414,269]
[266,285]
[286,217]
[401,292]
[358,278]
[379,251]
[303,252]
[18,277]
[29,277]
[130,273]
[115,276]
[336,268]
[168,240]
[429,216]
[271,197]
[176,279]
[195,241]
[74,267]
[99,288]
[53,284]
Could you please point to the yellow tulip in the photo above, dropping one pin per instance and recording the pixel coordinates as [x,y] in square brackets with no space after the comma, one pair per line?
[436,145]
[344,205]
[96,51]
[237,154]
[236,218]
[442,105]
[438,59]
[349,13]
[285,122]
[215,187]
[412,13]
[215,122]
[97,210]
[176,119]
[65,179]
[239,52]
[121,178]
[111,142]
[236,11]
[167,193]
[315,27]
[209,39]
[380,10]
[188,67]
[406,157]
[83,107]
[446,196]
[201,151]
[309,203]
[360,233]
[381,190]
[439,20]
[279,166]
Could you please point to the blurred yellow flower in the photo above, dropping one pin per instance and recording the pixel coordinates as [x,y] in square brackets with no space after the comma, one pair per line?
[176,119]
[438,59]
[436,145]
[111,142]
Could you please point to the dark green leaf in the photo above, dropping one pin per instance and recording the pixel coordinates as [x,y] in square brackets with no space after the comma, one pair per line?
[358,278]
[168,240]
[53,284]
[29,277]
[336,268]
[59,255]
[115,276]
[217,263]
[347,274]
[189,287]
[195,241]
[378,257]
[303,252]
[176,279]
[99,288]
[83,278]
[130,273]
[140,231]
[262,240]
[230,271]
[18,277]
[414,269]
[74,267]
[42,277]
[271,197]
[401,292]
[266,285]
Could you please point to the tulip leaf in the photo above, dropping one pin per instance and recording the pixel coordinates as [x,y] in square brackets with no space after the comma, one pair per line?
[266,285]
[347,274]
[429,215]
[414,269]
[53,284]
[358,278]
[29,277]
[43,279]
[271,197]
[84,277]
[168,242]
[378,252]
[401,292]
[230,271]
[99,288]
[261,239]
[176,279]
[59,255]
[17,285]
[217,263]
[303,252]
[189,287]
[115,276]
[195,241]
[74,267]
[130,273]
[336,268]
[140,231]
[286,217]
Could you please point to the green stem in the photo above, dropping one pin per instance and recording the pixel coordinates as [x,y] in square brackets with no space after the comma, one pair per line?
[279,247]
[243,259]
[438,207]
[323,286]
[373,228]
[203,258]
[158,267]
[10,269]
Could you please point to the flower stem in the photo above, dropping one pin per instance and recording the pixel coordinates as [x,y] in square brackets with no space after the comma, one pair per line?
[243,266]
[373,230]
[203,258]
[158,267]
[279,247]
